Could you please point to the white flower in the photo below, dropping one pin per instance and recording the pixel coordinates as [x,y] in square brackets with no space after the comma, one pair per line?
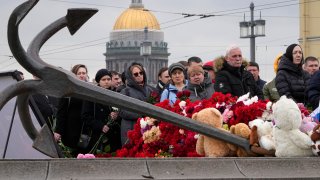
[182,104]
[184,112]
[254,99]
[243,97]
[196,136]
[247,102]
[150,121]
[143,123]
[268,106]
[220,105]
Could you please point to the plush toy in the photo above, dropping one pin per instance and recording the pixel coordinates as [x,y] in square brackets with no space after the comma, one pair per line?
[264,131]
[242,130]
[267,113]
[211,147]
[315,137]
[307,124]
[289,140]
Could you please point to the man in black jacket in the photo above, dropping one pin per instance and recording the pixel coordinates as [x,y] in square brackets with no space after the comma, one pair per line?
[254,69]
[233,78]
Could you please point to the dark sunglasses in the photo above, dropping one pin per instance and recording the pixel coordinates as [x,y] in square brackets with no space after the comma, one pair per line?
[138,73]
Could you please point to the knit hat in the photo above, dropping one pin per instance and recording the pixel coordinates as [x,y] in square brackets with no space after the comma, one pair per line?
[208,65]
[101,73]
[174,66]
[289,51]
[195,69]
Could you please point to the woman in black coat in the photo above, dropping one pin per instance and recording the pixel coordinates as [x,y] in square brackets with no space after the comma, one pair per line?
[291,79]
[68,121]
[101,119]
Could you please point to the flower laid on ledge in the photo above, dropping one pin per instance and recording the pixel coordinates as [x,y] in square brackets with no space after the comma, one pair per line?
[85,156]
[159,139]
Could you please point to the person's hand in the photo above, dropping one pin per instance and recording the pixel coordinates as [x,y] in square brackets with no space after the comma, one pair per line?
[105,129]
[114,115]
[57,137]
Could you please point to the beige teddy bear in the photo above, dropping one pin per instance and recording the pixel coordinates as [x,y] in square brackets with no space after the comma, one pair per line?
[211,147]
[242,130]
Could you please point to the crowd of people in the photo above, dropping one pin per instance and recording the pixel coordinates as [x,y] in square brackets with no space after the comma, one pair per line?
[296,77]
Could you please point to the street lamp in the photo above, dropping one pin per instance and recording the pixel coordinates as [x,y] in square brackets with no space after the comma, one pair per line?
[257,29]
[145,51]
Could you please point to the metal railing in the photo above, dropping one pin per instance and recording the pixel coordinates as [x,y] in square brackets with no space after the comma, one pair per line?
[57,82]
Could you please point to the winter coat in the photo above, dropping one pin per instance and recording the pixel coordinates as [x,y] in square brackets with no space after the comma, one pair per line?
[47,106]
[161,86]
[170,93]
[270,91]
[260,83]
[136,91]
[236,81]
[313,90]
[291,80]
[202,91]
[69,121]
[95,116]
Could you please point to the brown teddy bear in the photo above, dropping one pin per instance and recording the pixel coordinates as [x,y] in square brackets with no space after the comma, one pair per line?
[315,137]
[242,130]
[211,147]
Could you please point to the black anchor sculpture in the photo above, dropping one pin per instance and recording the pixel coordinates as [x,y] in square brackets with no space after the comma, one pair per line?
[61,83]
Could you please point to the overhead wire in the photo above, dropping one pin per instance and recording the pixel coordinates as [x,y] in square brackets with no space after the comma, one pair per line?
[185,14]
[162,28]
[173,20]
[169,26]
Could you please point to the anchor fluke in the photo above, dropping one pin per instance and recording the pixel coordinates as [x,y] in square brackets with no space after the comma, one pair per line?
[77,17]
[44,142]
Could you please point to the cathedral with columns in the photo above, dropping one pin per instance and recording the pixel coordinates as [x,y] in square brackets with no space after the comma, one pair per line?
[132,28]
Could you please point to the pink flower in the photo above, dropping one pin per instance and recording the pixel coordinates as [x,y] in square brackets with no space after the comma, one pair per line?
[227,114]
[85,156]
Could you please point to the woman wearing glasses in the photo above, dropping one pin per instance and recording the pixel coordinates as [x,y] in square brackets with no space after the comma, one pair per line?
[136,88]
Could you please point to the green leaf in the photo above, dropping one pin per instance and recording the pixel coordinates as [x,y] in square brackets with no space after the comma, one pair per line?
[107,148]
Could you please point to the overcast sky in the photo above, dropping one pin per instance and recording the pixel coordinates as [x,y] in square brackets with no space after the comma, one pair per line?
[206,38]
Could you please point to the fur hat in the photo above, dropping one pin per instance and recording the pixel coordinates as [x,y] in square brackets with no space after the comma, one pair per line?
[101,73]
[276,62]
[174,66]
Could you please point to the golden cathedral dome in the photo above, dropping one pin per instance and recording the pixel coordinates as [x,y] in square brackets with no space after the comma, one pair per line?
[136,17]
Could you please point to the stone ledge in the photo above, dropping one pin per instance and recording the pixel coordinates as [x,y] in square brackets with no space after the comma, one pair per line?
[171,168]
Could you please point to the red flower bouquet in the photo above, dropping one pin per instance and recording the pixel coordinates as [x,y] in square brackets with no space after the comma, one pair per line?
[159,139]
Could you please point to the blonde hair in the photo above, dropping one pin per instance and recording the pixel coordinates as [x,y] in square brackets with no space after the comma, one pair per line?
[195,69]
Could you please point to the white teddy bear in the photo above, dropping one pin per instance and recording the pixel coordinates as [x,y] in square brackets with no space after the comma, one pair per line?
[264,130]
[289,140]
